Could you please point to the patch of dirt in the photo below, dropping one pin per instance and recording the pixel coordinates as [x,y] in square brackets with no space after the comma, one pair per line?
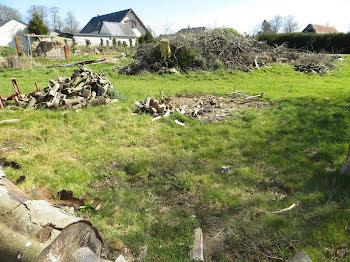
[214,108]
[203,107]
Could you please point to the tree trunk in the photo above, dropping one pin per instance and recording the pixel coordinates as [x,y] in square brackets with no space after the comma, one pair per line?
[36,231]
[346,167]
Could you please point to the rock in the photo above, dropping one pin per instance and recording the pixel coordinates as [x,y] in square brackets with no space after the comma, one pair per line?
[121,258]
[226,169]
[301,257]
[196,252]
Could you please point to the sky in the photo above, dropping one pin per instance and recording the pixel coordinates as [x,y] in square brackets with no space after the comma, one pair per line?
[243,15]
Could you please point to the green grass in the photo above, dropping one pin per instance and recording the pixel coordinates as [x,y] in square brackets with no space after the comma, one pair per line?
[159,181]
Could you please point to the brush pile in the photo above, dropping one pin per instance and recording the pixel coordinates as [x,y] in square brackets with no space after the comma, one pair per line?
[83,89]
[216,49]
[310,68]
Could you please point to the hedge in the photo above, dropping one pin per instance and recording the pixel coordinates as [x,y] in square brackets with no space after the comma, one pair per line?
[7,51]
[329,43]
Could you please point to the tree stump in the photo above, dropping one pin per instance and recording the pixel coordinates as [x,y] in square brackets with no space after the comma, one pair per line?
[36,231]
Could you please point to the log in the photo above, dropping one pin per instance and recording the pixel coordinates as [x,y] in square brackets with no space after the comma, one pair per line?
[36,231]
[10,121]
[54,89]
[196,252]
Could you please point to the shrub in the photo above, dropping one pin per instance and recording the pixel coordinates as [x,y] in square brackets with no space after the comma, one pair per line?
[149,37]
[101,42]
[130,42]
[119,43]
[141,40]
[88,42]
[125,44]
[228,31]
[107,42]
[114,42]
[7,51]
[331,43]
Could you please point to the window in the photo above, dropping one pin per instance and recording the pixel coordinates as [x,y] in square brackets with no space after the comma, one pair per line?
[132,24]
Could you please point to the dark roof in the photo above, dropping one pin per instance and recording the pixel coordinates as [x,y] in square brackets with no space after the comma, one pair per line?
[191,30]
[116,29]
[6,21]
[320,29]
[95,24]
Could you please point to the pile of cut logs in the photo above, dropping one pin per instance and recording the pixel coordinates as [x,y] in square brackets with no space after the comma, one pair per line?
[82,89]
[155,107]
[316,69]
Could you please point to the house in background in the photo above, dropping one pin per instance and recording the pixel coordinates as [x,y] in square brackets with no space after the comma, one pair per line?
[10,29]
[192,30]
[124,26]
[320,29]
[120,32]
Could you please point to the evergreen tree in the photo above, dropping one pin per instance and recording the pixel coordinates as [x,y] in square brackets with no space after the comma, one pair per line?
[37,26]
[148,37]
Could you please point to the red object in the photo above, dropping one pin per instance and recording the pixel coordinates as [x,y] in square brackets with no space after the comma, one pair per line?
[17,95]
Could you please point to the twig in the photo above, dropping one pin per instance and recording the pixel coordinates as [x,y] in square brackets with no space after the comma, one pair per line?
[256,63]
[284,210]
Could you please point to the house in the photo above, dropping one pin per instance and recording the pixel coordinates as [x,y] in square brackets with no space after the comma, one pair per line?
[191,30]
[124,26]
[320,29]
[13,29]
[107,33]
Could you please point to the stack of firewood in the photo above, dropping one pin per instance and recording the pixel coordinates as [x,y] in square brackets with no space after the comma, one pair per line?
[83,89]
[155,107]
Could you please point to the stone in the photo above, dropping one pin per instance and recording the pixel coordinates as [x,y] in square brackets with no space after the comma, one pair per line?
[301,257]
[226,169]
[121,258]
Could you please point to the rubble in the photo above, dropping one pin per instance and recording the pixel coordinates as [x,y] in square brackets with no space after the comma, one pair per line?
[203,108]
[83,89]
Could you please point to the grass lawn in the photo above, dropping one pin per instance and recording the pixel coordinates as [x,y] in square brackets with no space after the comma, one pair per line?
[159,181]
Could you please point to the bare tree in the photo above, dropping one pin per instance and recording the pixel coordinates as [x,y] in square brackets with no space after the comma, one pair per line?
[290,25]
[7,13]
[56,22]
[256,30]
[71,23]
[41,10]
[166,27]
[276,24]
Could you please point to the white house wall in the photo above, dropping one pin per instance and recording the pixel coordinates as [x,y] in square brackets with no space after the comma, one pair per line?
[12,29]
[140,29]
[96,40]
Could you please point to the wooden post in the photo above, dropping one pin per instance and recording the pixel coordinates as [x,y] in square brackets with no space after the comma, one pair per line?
[13,62]
[36,231]
[66,52]
[19,46]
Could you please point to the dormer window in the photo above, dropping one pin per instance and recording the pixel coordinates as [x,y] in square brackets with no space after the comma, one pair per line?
[132,24]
